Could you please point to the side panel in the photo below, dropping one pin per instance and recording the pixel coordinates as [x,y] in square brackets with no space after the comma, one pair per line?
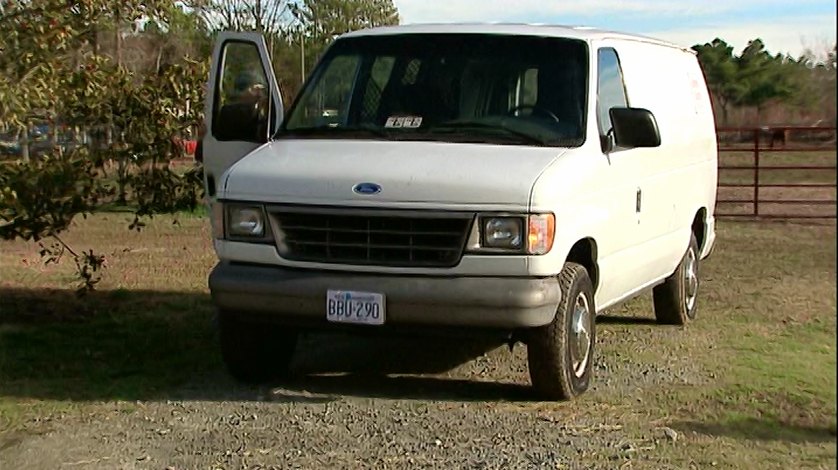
[594,194]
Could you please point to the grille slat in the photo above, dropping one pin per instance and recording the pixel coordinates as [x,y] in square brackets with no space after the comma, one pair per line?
[368,246]
[394,232]
[394,238]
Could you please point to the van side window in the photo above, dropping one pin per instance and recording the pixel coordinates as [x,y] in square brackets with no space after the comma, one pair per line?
[242,98]
[611,92]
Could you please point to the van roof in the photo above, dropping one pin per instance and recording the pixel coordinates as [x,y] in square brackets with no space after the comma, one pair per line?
[584,33]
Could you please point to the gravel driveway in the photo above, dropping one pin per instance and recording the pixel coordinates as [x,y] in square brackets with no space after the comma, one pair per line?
[373,403]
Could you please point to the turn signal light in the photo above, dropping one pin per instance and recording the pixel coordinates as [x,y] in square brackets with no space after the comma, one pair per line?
[540,233]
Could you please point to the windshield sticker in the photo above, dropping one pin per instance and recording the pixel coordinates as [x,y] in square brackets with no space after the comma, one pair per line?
[411,122]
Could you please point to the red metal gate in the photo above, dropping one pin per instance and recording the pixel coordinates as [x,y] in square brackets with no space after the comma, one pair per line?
[777,172]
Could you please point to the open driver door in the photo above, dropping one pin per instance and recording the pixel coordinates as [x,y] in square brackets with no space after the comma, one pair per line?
[243,105]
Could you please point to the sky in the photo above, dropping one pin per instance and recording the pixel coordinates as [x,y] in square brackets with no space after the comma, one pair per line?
[785,26]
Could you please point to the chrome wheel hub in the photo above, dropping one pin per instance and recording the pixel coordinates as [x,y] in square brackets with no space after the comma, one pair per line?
[580,335]
[690,280]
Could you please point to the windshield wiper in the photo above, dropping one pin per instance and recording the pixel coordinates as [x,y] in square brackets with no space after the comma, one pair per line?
[366,129]
[455,126]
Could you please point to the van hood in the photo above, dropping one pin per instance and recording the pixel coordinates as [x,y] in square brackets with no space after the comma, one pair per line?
[407,174]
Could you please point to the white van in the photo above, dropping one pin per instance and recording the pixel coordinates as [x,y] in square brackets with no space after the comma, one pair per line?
[508,179]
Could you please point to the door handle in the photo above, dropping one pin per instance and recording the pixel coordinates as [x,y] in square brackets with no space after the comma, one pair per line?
[637,201]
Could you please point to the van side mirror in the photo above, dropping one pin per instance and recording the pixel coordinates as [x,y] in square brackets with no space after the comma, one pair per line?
[634,127]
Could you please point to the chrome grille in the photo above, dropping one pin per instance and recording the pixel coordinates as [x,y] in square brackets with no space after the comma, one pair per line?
[383,238]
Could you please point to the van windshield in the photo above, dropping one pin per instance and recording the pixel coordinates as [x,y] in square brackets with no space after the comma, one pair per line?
[518,90]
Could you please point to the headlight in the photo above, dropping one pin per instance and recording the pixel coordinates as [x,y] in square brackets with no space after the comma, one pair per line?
[245,221]
[502,232]
[531,234]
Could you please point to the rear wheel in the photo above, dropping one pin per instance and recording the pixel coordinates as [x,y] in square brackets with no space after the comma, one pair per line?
[255,352]
[561,353]
[676,299]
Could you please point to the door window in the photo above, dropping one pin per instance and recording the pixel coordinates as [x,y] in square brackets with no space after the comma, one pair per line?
[242,100]
[611,91]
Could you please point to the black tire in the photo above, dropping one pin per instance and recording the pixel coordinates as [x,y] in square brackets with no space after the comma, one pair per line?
[255,352]
[676,300]
[559,369]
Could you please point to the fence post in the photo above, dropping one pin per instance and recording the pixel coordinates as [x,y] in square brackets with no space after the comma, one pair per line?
[756,172]
[53,136]
[24,143]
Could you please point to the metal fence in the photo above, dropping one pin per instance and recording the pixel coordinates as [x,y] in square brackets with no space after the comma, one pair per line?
[44,139]
[777,172]
[764,172]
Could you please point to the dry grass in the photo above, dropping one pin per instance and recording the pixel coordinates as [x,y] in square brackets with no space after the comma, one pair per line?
[148,322]
[169,255]
[760,387]
[779,177]
[745,158]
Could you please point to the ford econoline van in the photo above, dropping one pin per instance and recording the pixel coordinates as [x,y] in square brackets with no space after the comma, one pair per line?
[508,179]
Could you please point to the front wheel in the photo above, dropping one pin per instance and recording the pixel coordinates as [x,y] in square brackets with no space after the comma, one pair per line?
[677,298]
[561,353]
[255,352]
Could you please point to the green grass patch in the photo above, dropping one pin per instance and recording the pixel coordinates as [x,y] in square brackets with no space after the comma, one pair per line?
[770,316]
[798,364]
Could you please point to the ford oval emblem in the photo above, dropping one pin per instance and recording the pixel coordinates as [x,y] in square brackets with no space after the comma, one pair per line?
[366,189]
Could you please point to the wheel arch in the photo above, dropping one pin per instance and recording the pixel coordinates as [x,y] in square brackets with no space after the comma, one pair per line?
[699,228]
[584,252]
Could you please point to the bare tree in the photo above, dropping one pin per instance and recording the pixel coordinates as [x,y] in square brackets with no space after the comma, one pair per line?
[323,20]
[268,17]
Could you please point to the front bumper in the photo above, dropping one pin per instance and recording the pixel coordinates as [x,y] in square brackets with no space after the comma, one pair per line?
[298,297]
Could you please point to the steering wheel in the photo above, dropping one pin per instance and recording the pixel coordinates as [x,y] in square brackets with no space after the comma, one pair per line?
[535,109]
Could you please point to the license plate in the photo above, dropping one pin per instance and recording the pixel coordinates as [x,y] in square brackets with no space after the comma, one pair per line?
[344,306]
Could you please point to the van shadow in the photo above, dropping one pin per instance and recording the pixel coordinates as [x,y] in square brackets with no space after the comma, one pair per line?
[404,367]
[761,429]
[608,319]
[150,345]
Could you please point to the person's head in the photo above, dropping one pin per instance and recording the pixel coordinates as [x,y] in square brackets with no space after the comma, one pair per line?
[249,85]
[244,81]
